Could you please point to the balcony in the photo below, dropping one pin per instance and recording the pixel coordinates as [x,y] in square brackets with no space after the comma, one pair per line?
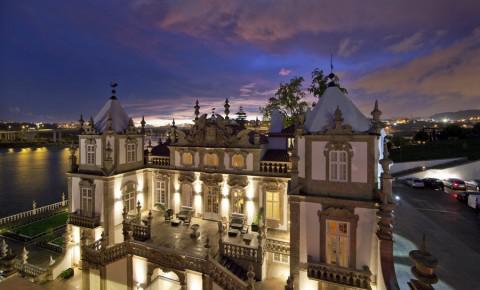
[275,167]
[78,219]
[161,161]
[330,273]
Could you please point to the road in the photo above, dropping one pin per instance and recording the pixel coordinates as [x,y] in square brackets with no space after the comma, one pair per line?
[453,236]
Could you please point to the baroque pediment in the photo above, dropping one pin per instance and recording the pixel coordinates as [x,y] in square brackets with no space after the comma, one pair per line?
[214,131]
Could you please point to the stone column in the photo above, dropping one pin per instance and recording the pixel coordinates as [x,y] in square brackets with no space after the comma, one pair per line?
[85,276]
[294,242]
[103,277]
[130,272]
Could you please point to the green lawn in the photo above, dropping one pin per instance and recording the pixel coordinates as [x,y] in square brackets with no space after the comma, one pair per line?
[44,225]
[58,241]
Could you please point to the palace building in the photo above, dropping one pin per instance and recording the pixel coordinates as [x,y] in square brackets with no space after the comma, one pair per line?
[220,206]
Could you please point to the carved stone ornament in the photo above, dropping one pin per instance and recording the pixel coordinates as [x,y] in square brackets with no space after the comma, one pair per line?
[186,177]
[236,180]
[211,179]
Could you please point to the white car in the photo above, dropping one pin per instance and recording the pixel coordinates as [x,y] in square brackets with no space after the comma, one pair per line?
[474,200]
[415,182]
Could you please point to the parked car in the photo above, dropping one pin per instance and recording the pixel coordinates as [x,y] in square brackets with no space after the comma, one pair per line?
[462,195]
[414,182]
[474,200]
[433,183]
[473,185]
[454,183]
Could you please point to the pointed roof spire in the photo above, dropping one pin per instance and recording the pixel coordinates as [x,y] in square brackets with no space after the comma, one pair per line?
[113,85]
[331,63]
[376,113]
[143,123]
[227,108]
[91,123]
[197,109]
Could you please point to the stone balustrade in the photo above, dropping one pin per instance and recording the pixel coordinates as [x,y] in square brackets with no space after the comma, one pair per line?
[78,219]
[36,211]
[275,167]
[140,232]
[159,160]
[241,252]
[278,246]
[95,254]
[224,278]
[355,278]
[29,269]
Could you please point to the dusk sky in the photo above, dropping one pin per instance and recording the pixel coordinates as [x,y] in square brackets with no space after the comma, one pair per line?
[57,58]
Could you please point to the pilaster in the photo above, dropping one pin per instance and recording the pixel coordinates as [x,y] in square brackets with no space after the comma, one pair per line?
[294,242]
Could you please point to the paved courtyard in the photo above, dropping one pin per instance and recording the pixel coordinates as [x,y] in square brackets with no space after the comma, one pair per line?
[453,236]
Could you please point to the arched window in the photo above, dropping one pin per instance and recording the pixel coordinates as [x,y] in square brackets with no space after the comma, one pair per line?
[338,165]
[130,197]
[211,160]
[213,199]
[187,158]
[238,161]
[187,194]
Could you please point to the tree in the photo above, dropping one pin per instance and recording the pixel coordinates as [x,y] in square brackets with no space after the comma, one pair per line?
[453,131]
[476,129]
[289,101]
[421,136]
[320,83]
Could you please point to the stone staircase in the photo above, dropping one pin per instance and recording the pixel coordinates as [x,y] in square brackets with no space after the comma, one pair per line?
[234,268]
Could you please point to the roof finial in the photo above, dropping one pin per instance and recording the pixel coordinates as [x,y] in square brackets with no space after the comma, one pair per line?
[331,63]
[143,123]
[113,85]
[197,109]
[227,108]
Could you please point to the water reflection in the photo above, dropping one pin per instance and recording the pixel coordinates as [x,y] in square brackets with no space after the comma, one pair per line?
[28,174]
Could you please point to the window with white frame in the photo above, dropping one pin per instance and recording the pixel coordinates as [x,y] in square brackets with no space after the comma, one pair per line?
[338,166]
[281,258]
[273,205]
[131,152]
[87,205]
[161,191]
[90,149]
[337,242]
[129,197]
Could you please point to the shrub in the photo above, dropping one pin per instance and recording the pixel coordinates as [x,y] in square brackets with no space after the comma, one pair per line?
[67,273]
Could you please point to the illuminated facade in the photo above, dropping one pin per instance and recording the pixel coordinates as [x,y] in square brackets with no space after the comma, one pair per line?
[219,206]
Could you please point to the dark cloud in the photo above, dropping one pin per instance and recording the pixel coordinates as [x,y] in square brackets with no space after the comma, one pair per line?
[58,57]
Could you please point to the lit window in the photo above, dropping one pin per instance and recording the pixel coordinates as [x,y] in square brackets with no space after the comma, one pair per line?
[281,258]
[187,194]
[213,199]
[129,197]
[187,158]
[91,154]
[238,201]
[211,160]
[273,205]
[161,191]
[338,166]
[337,243]
[87,204]
[131,152]
[238,161]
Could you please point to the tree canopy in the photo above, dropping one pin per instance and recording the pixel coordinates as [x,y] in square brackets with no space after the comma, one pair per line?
[289,99]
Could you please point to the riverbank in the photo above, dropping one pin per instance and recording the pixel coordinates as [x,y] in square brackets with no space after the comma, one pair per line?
[34,144]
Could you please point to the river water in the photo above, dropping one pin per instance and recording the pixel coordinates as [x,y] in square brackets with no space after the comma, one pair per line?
[28,174]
